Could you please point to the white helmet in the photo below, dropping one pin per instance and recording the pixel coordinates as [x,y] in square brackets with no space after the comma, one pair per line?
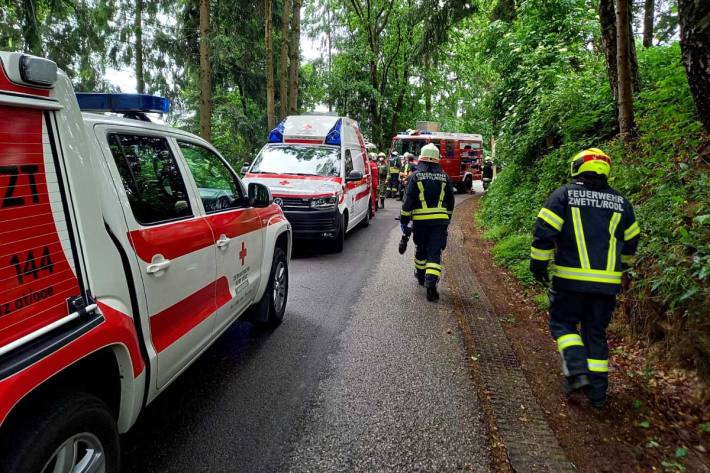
[429,153]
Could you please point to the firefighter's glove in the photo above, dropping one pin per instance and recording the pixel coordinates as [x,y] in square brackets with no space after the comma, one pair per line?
[405,229]
[539,271]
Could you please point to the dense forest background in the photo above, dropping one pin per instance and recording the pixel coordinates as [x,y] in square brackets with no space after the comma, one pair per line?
[540,79]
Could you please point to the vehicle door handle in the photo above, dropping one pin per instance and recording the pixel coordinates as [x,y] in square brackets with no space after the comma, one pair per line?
[223,241]
[158,266]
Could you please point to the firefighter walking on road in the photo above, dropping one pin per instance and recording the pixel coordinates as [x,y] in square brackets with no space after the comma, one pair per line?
[589,230]
[393,186]
[429,204]
[383,170]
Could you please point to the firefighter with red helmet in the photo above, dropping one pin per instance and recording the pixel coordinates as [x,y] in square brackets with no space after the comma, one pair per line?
[589,232]
[429,204]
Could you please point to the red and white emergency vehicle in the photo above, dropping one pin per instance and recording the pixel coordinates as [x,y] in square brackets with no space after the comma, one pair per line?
[461,153]
[316,167]
[126,249]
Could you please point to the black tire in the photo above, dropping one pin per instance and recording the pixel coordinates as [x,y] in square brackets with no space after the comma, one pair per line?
[38,438]
[365,222]
[468,184]
[269,310]
[338,243]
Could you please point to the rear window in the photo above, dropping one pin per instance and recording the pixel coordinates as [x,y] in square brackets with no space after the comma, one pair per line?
[151,178]
[298,160]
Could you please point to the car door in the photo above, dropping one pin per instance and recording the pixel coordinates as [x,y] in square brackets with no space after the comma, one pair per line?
[172,244]
[237,229]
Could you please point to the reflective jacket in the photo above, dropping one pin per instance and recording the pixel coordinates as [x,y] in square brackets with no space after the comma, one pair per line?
[429,198]
[590,233]
[394,166]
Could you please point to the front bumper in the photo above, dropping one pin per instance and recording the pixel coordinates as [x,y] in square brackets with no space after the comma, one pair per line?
[312,224]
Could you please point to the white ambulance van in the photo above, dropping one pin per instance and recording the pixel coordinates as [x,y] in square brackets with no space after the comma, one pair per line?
[316,167]
[126,249]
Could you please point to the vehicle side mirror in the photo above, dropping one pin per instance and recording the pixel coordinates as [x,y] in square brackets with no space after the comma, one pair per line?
[354,176]
[259,195]
[245,167]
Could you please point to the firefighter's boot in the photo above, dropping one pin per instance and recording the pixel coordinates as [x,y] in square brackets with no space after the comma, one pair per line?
[432,294]
[382,202]
[576,383]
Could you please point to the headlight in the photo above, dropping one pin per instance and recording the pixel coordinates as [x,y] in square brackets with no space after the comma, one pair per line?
[325,202]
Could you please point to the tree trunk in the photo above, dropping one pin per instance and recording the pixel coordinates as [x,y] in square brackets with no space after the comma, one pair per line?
[694,19]
[649,10]
[427,86]
[205,73]
[268,14]
[623,66]
[30,31]
[607,21]
[295,56]
[138,28]
[283,66]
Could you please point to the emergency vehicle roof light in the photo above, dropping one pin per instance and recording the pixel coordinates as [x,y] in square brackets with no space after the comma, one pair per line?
[277,134]
[333,137]
[122,103]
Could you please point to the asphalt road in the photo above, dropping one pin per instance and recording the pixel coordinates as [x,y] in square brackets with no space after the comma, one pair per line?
[363,375]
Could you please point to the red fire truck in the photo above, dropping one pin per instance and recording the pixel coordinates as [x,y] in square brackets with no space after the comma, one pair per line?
[461,153]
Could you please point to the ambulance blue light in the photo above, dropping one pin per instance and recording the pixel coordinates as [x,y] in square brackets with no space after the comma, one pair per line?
[122,103]
[277,134]
[333,137]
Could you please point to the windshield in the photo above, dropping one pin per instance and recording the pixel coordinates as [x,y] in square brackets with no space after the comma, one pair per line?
[408,146]
[308,160]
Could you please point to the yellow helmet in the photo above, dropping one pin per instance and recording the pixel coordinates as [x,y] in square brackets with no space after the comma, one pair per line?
[429,153]
[590,160]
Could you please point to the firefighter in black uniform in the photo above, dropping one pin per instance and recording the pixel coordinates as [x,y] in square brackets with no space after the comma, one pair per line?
[393,185]
[429,203]
[590,232]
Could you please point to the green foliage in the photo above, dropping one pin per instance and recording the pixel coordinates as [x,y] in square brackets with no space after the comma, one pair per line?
[513,251]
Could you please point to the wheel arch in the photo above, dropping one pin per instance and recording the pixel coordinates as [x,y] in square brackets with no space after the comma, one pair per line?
[105,373]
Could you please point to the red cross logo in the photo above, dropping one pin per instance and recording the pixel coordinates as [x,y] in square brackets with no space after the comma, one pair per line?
[243,253]
[283,183]
[308,127]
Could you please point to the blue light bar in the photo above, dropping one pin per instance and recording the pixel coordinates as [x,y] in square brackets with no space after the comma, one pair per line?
[277,134]
[333,137]
[122,103]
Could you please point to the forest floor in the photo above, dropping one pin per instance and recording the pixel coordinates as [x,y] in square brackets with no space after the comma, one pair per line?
[655,420]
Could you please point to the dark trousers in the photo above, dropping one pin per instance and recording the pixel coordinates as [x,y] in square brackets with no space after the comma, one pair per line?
[393,184]
[430,241]
[584,350]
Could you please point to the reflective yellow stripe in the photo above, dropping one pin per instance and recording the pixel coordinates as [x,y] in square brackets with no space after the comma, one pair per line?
[598,366]
[433,272]
[394,170]
[552,218]
[419,264]
[588,275]
[441,196]
[421,194]
[632,231]
[434,265]
[428,211]
[569,340]
[628,259]
[579,236]
[611,255]
[541,255]
[404,213]
[431,217]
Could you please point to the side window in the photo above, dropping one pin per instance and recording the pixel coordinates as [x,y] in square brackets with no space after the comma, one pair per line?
[348,162]
[217,185]
[151,177]
[449,149]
